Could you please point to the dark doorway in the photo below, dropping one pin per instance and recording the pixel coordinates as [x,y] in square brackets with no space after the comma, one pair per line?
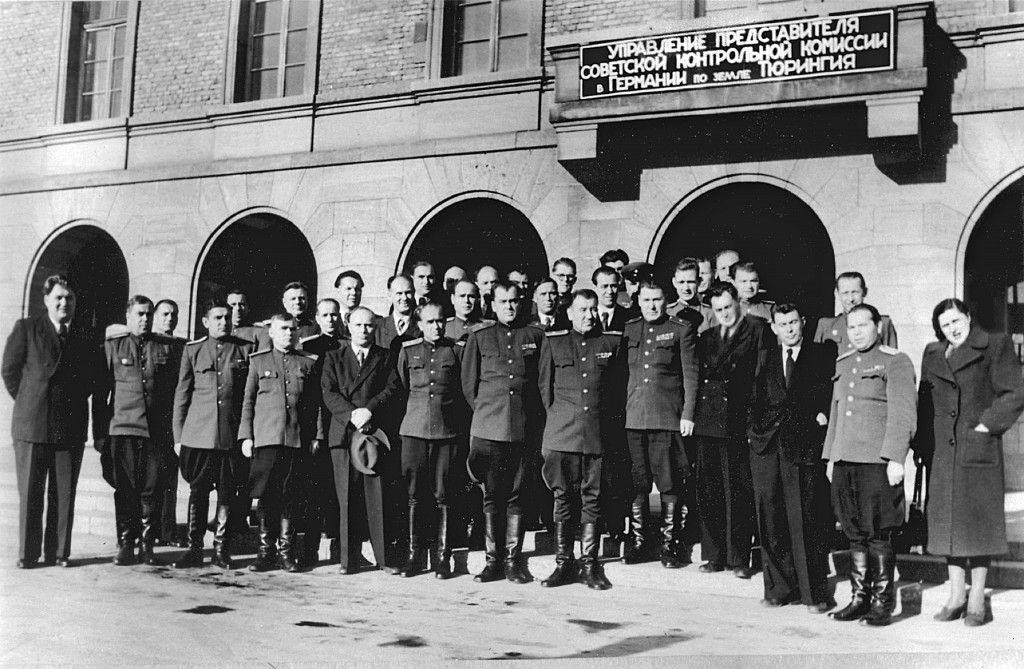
[93,262]
[258,254]
[767,225]
[479,232]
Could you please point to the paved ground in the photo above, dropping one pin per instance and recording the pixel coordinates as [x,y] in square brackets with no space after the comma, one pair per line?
[103,615]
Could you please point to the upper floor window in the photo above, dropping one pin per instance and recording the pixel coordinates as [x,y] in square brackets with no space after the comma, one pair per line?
[481,36]
[97,75]
[274,58]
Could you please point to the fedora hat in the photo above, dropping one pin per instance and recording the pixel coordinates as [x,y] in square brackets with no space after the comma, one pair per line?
[366,450]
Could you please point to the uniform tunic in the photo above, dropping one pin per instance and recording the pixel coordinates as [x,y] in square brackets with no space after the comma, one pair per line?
[142,375]
[431,374]
[208,400]
[458,329]
[282,400]
[757,307]
[834,329]
[662,378]
[700,315]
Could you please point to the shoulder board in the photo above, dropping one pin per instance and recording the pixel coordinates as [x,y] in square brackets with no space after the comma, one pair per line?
[461,342]
[412,342]
[198,341]
[679,321]
[449,319]
[481,326]
[847,354]
[306,354]
[535,326]
[116,335]
[613,333]
[262,324]
[309,338]
[888,350]
[163,339]
[635,320]
[260,352]
[556,333]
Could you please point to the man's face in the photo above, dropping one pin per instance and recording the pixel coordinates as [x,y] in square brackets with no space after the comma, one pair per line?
[607,287]
[452,277]
[789,328]
[727,309]
[328,317]
[239,308]
[565,277]
[465,299]
[706,274]
[652,303]
[360,327]
[631,287]
[747,284]
[217,322]
[955,326]
[521,280]
[402,296]
[851,292]
[546,298]
[485,280]
[432,323]
[283,334]
[583,314]
[723,264]
[295,301]
[423,279]
[861,329]
[685,282]
[616,265]
[506,304]
[60,304]
[350,292]
[165,319]
[139,319]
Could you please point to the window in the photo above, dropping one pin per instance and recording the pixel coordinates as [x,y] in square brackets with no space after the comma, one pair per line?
[97,74]
[483,36]
[274,58]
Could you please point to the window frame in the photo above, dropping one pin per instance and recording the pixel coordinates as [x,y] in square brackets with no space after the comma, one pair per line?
[441,37]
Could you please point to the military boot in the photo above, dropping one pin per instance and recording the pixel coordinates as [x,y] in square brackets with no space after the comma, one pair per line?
[221,538]
[591,571]
[197,510]
[494,527]
[443,550]
[635,548]
[860,603]
[565,562]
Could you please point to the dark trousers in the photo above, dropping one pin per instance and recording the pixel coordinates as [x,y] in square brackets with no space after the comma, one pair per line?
[165,501]
[426,468]
[360,509]
[657,457]
[35,464]
[790,499]
[617,491]
[321,499]
[726,500]
[136,474]
[498,466]
[206,470]
[868,508]
[575,482]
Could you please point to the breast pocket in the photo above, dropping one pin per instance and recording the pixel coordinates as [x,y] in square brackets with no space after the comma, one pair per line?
[125,370]
[206,377]
[632,352]
[564,361]
[418,375]
[663,353]
[982,450]
[268,380]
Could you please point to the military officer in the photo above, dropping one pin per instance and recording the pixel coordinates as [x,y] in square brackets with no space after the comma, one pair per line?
[633,275]
[165,321]
[141,376]
[466,303]
[580,376]
[686,280]
[280,419]
[207,409]
[707,274]
[660,401]
[295,299]
[499,379]
[240,324]
[873,418]
[851,290]
[748,287]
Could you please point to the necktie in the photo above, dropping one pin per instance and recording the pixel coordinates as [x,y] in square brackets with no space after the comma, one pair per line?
[422,301]
[360,355]
[62,335]
[605,320]
[789,366]
[401,324]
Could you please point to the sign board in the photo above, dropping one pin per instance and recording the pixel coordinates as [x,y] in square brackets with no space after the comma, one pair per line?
[761,52]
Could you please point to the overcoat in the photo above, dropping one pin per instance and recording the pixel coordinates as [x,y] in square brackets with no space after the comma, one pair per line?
[980,382]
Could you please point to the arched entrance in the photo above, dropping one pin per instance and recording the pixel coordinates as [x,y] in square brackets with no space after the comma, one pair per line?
[766,224]
[258,253]
[475,232]
[92,260]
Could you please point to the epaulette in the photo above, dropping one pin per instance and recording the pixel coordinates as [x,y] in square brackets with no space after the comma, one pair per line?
[481,326]
[263,324]
[613,333]
[635,320]
[412,342]
[306,354]
[163,339]
[679,321]
[260,352]
[198,341]
[847,354]
[449,319]
[556,333]
[536,326]
[888,350]
[461,342]
[309,338]
[117,335]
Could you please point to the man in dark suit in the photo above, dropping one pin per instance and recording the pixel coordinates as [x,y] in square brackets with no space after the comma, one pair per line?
[786,430]
[358,387]
[729,355]
[546,314]
[611,316]
[50,367]
[398,326]
[425,288]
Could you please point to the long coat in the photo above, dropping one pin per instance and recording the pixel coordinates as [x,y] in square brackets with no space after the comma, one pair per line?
[980,382]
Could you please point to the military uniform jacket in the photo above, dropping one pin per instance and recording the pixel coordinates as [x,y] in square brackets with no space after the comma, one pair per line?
[208,401]
[874,407]
[250,333]
[834,329]
[141,378]
[281,406]
[581,382]
[759,307]
[431,375]
[700,315]
[662,374]
[458,329]
[499,379]
[305,327]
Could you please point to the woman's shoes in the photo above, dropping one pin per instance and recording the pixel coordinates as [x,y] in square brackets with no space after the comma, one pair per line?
[947,614]
[979,618]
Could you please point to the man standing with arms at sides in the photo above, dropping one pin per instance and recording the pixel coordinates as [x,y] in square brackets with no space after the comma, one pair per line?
[610,315]
[581,374]
[688,307]
[400,324]
[851,291]
[280,419]
[295,299]
[141,376]
[724,260]
[786,429]
[349,286]
[748,286]
[730,356]
[486,277]
[207,409]
[165,320]
[51,366]
[240,325]
[660,397]
[499,379]
[549,316]
[563,271]
[872,420]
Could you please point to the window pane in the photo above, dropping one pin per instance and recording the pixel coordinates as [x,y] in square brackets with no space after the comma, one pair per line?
[115,103]
[94,76]
[120,9]
[294,80]
[475,22]
[116,72]
[296,49]
[514,17]
[96,11]
[265,51]
[298,14]
[264,85]
[91,39]
[473,57]
[512,52]
[268,17]
[94,107]
[119,33]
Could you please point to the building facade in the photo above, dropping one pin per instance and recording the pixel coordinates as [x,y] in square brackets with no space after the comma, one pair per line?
[177,149]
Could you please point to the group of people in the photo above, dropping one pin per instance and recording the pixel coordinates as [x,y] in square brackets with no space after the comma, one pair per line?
[505,404]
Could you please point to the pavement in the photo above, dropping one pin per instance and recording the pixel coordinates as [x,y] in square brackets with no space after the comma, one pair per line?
[96,614]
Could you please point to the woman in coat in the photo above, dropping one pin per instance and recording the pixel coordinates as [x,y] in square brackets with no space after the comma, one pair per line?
[971,392]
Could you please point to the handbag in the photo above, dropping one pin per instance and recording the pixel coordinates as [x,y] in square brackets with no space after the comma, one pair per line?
[914,532]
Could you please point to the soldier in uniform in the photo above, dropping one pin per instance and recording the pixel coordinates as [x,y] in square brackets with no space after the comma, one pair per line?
[466,303]
[748,287]
[430,372]
[581,374]
[724,261]
[851,291]
[295,299]
[280,420]
[634,274]
[563,271]
[141,376]
[165,320]
[240,325]
[686,280]
[660,400]
[499,379]
[349,285]
[521,279]
[485,279]
[873,418]
[207,409]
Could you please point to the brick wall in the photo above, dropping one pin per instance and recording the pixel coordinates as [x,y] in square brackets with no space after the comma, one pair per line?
[30,44]
[569,16]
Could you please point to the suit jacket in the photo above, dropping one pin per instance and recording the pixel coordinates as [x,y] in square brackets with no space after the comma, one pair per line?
[786,418]
[386,335]
[346,387]
[281,406]
[51,387]
[620,316]
[208,400]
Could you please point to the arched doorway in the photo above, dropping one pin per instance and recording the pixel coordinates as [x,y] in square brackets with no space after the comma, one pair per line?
[475,232]
[258,253]
[92,260]
[766,224]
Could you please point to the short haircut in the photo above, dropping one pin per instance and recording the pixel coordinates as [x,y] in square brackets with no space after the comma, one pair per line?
[396,277]
[568,262]
[421,263]
[614,255]
[323,300]
[688,264]
[293,285]
[747,267]
[506,285]
[585,293]
[864,306]
[215,303]
[418,312]
[282,317]
[941,308]
[546,279]
[852,275]
[166,301]
[235,291]
[651,284]
[721,288]
[468,283]
[785,308]
[476,274]
[519,270]
[57,280]
[137,299]
[361,309]
[603,269]
[349,274]
[723,252]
